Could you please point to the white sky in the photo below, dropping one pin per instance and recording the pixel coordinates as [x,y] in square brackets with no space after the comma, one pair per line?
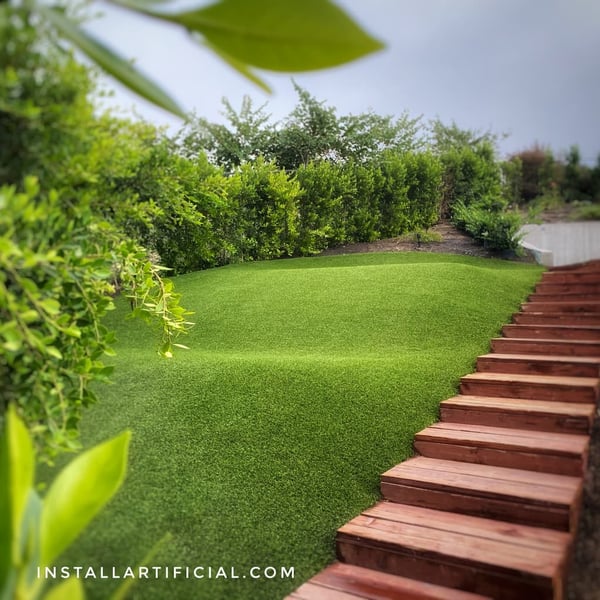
[529,68]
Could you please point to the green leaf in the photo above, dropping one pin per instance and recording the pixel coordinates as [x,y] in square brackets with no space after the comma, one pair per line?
[71,589]
[79,492]
[30,542]
[299,35]
[238,66]
[51,306]
[54,352]
[17,466]
[108,60]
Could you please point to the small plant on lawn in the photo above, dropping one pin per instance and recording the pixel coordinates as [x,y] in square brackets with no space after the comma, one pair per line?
[423,236]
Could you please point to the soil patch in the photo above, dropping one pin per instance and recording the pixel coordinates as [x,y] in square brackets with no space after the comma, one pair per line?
[452,241]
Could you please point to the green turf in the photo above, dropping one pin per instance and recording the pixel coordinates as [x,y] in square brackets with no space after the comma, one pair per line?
[307,378]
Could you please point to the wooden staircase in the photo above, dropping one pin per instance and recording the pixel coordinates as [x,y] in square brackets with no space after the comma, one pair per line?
[489,506]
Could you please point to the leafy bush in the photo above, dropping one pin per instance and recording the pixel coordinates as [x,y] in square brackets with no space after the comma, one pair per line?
[265,202]
[321,222]
[361,201]
[540,172]
[495,229]
[57,267]
[470,173]
[392,195]
[587,212]
[424,179]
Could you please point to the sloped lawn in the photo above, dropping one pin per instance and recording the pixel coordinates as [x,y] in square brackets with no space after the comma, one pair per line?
[306,379]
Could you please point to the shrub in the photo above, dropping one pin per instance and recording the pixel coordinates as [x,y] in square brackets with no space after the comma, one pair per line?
[540,173]
[361,201]
[321,219]
[495,229]
[265,201]
[392,195]
[57,267]
[470,173]
[424,179]
[587,212]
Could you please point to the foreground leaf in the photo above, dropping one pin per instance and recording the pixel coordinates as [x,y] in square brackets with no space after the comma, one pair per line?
[79,492]
[110,62]
[17,465]
[297,35]
[71,589]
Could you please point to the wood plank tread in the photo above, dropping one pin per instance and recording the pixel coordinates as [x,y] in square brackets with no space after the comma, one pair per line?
[567,409]
[562,306]
[519,550]
[535,346]
[340,581]
[501,474]
[551,358]
[563,444]
[555,388]
[543,489]
[548,380]
[552,331]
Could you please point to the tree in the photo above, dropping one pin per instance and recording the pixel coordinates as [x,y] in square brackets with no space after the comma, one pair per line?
[445,138]
[247,136]
[311,132]
[366,135]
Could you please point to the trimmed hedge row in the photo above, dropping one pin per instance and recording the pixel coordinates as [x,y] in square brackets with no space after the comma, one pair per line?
[261,212]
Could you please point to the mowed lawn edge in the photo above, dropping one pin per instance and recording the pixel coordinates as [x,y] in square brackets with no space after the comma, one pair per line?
[305,380]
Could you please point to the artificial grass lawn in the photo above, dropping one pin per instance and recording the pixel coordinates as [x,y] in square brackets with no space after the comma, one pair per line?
[307,378]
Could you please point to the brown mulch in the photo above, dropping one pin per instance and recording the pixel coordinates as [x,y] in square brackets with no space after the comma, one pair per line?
[453,242]
[583,582]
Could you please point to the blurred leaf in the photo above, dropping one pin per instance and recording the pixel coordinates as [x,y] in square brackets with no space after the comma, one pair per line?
[71,589]
[79,492]
[106,58]
[300,35]
[17,465]
[238,66]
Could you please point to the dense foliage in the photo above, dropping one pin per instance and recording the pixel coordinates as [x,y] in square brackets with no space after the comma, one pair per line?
[61,260]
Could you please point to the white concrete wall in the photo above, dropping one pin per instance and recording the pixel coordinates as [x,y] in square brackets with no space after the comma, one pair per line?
[556,244]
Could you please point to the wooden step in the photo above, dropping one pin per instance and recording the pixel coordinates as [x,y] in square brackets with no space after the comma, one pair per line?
[546,346]
[574,288]
[545,318]
[341,581]
[514,495]
[589,265]
[519,413]
[564,306]
[559,332]
[540,364]
[560,453]
[570,277]
[535,387]
[503,560]
[563,297]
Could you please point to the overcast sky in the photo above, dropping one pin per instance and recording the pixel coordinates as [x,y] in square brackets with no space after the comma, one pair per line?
[529,68]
